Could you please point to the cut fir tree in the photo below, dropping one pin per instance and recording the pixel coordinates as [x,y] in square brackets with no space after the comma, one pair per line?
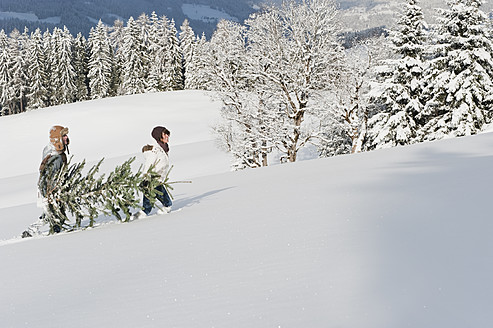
[87,196]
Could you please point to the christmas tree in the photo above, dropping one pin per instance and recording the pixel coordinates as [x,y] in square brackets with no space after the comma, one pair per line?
[87,196]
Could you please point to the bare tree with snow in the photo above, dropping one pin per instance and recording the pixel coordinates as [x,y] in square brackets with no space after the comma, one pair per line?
[246,129]
[291,58]
[294,57]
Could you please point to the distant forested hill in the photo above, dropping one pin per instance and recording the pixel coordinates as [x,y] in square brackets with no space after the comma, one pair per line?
[81,15]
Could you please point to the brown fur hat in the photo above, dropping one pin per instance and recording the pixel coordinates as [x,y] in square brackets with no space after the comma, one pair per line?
[56,134]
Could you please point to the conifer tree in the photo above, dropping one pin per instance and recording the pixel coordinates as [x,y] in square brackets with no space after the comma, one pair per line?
[80,60]
[187,40]
[100,63]
[158,53]
[49,64]
[37,75]
[460,81]
[175,64]
[144,23]
[397,96]
[19,83]
[196,76]
[116,34]
[63,75]
[6,90]
[154,80]
[134,59]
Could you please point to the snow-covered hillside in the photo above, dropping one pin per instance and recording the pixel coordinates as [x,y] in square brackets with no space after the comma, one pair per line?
[28,17]
[364,14]
[392,238]
[205,13]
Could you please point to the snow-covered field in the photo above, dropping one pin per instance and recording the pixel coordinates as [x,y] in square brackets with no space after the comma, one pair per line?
[363,14]
[30,17]
[205,13]
[394,238]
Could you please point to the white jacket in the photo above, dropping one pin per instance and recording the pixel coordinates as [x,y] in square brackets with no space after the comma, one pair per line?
[159,157]
[41,201]
[49,150]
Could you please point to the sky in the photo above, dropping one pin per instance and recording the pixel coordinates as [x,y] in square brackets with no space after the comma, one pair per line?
[391,238]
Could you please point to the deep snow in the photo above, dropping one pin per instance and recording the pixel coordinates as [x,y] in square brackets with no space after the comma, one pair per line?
[393,238]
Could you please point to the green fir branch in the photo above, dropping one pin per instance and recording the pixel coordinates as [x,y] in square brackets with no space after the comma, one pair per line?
[87,196]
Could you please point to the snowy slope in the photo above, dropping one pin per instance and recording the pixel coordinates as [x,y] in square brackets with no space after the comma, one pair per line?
[392,238]
[29,17]
[114,129]
[364,14]
[205,13]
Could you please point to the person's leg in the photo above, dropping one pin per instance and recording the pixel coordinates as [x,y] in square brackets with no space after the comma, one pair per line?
[164,197]
[34,228]
[147,205]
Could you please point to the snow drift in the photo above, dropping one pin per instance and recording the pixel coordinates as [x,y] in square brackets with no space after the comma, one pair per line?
[393,238]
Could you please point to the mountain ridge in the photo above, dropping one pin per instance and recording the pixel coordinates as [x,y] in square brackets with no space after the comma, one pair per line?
[203,15]
[81,16]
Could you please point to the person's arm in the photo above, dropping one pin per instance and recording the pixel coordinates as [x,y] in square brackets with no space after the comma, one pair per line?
[150,157]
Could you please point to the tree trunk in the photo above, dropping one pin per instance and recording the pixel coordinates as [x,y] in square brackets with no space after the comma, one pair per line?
[297,120]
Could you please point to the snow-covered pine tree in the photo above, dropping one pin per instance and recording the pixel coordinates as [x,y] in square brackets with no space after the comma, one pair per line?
[397,96]
[196,76]
[187,40]
[6,90]
[460,80]
[146,29]
[116,34]
[159,54]
[63,74]
[49,64]
[37,75]
[134,60]
[100,63]
[174,68]
[294,57]
[155,54]
[19,82]
[81,67]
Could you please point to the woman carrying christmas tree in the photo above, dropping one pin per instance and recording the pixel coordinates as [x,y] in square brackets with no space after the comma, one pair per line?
[156,158]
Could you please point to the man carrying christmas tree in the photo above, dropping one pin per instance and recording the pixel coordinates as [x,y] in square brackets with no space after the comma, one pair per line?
[156,158]
[53,159]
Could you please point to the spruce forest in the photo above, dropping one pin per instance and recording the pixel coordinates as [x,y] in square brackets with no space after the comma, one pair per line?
[283,76]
